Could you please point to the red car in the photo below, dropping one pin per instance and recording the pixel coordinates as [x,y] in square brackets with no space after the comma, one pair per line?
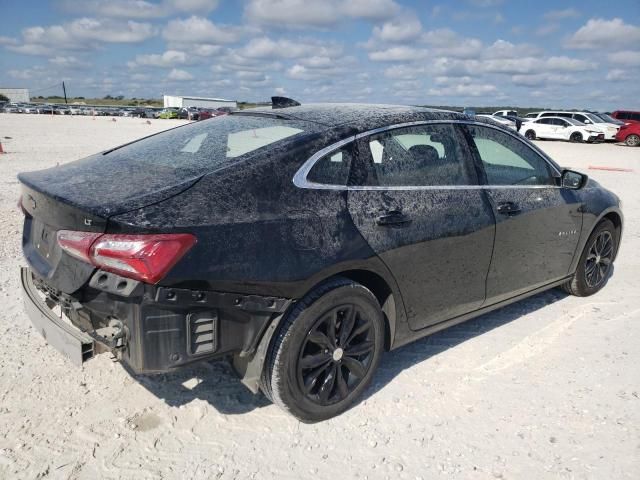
[629,134]
[626,116]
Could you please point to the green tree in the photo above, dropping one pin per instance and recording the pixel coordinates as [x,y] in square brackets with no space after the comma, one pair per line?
[3,98]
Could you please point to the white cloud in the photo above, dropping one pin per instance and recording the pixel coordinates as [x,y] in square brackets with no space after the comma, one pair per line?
[617,75]
[80,34]
[177,74]
[139,8]
[67,62]
[555,15]
[169,58]
[629,58]
[200,30]
[265,47]
[598,33]
[400,53]
[400,29]
[464,90]
[304,13]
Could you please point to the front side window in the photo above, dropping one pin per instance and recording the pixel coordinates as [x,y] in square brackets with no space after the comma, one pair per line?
[509,161]
[426,155]
[332,169]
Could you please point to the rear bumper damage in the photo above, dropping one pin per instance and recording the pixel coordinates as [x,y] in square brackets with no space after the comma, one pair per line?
[150,329]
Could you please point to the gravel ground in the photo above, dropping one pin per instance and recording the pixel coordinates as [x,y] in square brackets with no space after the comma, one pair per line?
[546,388]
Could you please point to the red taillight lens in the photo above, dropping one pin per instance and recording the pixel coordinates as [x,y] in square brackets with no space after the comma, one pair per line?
[77,244]
[141,257]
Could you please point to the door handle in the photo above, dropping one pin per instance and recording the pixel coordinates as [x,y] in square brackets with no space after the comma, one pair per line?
[508,208]
[393,217]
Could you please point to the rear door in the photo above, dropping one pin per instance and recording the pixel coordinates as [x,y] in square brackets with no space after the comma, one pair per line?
[414,197]
[545,128]
[537,222]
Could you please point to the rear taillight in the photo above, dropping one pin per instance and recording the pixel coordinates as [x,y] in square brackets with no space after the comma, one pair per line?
[142,257]
[77,244]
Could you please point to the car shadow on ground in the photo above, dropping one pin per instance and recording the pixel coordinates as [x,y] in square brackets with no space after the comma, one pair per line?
[215,382]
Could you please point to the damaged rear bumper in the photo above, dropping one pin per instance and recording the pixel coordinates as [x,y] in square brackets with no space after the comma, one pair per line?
[150,329]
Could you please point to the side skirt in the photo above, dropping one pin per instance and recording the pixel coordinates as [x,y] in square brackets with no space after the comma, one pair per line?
[476,313]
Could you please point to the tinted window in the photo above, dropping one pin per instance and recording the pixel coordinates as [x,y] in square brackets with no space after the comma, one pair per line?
[624,115]
[560,123]
[509,161]
[545,121]
[548,114]
[417,156]
[580,118]
[203,146]
[565,115]
[635,116]
[332,169]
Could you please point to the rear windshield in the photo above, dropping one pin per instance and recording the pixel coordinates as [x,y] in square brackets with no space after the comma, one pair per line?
[208,145]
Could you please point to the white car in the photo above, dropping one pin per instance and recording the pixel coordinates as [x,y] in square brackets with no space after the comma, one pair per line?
[609,129]
[502,121]
[505,113]
[558,128]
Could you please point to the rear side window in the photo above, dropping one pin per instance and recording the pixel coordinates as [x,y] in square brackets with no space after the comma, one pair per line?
[623,115]
[635,116]
[427,155]
[509,161]
[332,169]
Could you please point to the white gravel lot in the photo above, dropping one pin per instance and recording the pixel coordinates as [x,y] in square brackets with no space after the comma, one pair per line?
[546,388]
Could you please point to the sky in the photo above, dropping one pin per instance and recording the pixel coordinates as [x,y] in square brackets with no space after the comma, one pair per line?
[546,53]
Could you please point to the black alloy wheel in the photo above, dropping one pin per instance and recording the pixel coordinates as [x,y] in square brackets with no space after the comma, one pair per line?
[325,351]
[598,261]
[576,137]
[336,355]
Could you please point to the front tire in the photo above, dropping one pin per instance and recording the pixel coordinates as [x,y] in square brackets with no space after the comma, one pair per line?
[326,351]
[530,135]
[632,140]
[576,137]
[595,262]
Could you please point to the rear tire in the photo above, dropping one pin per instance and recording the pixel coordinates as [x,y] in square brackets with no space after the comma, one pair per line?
[576,137]
[530,135]
[325,352]
[595,262]
[632,140]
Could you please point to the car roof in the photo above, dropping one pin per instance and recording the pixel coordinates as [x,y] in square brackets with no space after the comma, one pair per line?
[360,116]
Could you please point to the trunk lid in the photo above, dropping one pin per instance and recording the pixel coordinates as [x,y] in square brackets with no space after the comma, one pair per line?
[82,196]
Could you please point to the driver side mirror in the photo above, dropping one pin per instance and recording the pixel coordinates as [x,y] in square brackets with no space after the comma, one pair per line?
[573,180]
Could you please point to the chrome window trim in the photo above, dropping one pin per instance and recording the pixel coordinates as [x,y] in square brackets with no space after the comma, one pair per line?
[300,178]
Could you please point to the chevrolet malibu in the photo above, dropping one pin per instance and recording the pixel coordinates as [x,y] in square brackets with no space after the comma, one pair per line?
[302,242]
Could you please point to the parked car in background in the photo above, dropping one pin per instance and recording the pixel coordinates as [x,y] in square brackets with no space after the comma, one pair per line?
[629,133]
[531,116]
[558,128]
[506,113]
[627,116]
[12,108]
[501,120]
[48,109]
[588,118]
[302,243]
[609,119]
[189,113]
[169,113]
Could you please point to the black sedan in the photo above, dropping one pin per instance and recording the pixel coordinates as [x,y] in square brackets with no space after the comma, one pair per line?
[302,242]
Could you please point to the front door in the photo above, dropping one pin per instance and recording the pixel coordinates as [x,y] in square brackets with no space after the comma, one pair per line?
[538,223]
[414,197]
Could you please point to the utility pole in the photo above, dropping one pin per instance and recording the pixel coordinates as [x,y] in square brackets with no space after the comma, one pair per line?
[65,93]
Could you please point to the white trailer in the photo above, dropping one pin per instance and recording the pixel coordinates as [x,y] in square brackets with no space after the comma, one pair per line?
[181,101]
[16,95]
